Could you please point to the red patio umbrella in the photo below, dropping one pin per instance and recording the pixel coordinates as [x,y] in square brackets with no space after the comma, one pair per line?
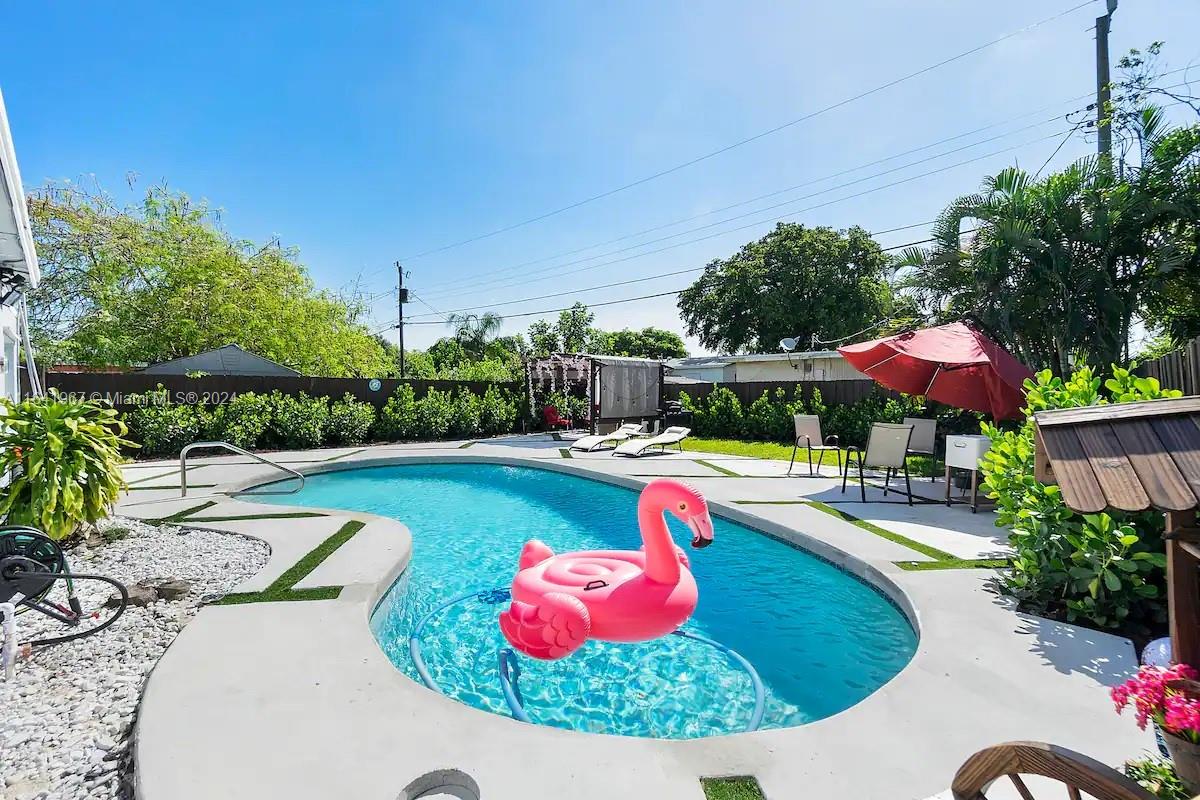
[953,364]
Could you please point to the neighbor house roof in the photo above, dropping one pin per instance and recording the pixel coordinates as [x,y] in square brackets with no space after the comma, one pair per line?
[722,361]
[17,254]
[228,360]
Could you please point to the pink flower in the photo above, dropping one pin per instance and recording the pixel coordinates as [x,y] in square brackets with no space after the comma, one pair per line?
[1152,700]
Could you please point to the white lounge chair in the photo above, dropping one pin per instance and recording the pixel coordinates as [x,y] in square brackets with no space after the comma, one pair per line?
[887,448]
[638,447]
[808,436]
[626,431]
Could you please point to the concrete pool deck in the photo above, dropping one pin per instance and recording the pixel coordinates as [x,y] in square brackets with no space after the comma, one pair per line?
[296,699]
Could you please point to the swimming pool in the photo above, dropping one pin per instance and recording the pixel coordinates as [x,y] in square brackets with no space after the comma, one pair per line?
[820,639]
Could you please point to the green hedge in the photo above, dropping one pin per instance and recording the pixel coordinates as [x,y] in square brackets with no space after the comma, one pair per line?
[769,418]
[297,422]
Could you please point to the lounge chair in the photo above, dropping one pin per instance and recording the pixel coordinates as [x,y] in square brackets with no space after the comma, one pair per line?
[923,441]
[638,447]
[626,431]
[887,448]
[808,435]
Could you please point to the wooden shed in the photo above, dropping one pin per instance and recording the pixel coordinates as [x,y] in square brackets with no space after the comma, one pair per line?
[1136,457]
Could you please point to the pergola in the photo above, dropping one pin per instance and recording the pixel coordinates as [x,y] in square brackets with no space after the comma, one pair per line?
[1134,457]
[618,388]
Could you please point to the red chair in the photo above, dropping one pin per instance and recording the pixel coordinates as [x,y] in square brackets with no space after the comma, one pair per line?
[552,419]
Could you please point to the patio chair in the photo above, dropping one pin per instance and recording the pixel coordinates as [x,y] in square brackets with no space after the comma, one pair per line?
[626,431]
[808,432]
[887,449]
[553,420]
[638,447]
[924,439]
[1080,774]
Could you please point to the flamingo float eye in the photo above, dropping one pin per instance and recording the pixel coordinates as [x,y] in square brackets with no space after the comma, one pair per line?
[683,506]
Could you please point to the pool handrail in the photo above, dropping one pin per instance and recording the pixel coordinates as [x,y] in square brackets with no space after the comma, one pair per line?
[233,448]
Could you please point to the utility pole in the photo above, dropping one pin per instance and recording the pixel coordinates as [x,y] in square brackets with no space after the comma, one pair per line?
[401,299]
[1103,89]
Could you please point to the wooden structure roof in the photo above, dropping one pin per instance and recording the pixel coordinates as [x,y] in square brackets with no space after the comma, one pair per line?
[1126,456]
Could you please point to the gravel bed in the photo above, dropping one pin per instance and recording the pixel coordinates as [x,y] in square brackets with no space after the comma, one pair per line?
[66,717]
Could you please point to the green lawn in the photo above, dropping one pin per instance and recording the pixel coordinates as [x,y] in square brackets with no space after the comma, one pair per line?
[731,789]
[919,465]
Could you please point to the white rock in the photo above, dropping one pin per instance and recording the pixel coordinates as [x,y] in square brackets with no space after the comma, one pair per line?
[70,704]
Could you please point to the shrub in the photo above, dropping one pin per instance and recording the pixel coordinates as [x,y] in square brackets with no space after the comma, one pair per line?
[722,415]
[1102,569]
[770,418]
[465,414]
[434,413]
[66,462]
[166,428]
[242,421]
[350,421]
[497,412]
[297,422]
[398,419]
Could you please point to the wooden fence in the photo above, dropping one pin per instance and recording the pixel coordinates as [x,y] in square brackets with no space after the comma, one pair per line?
[1178,370]
[832,392]
[213,390]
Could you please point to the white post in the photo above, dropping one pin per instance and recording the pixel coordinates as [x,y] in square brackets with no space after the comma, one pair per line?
[8,652]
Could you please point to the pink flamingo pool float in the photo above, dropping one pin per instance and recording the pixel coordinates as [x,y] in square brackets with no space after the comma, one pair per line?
[561,601]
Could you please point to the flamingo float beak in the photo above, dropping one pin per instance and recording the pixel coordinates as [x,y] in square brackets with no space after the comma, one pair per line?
[702,530]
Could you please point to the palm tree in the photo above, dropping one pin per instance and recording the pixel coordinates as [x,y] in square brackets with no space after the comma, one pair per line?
[1058,268]
[475,331]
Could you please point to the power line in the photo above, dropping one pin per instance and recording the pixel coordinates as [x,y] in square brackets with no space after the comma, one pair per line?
[782,204]
[655,277]
[756,223]
[811,182]
[651,277]
[742,142]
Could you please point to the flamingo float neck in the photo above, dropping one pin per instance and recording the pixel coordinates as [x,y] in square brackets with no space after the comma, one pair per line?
[662,562]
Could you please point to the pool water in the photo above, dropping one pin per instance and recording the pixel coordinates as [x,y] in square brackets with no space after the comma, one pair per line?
[820,639]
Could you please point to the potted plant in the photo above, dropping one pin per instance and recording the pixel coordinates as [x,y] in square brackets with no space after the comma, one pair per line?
[1168,698]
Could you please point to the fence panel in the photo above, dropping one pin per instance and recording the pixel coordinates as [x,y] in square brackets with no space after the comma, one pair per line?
[1178,370]
[216,389]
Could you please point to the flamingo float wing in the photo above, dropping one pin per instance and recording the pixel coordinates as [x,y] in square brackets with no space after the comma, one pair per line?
[556,626]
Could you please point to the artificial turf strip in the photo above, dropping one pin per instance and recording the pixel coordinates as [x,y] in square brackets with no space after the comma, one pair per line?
[342,455]
[911,544]
[565,452]
[954,563]
[237,517]
[180,516]
[281,588]
[465,446]
[166,475]
[133,488]
[739,788]
[265,596]
[727,472]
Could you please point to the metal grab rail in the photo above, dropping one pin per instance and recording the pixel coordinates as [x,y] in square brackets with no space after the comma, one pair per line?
[183,454]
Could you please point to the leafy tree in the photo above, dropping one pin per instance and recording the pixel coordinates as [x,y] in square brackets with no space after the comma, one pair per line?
[647,343]
[573,328]
[795,281]
[138,285]
[1059,268]
[543,338]
[446,354]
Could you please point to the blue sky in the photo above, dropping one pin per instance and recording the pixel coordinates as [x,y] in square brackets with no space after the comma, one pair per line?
[367,132]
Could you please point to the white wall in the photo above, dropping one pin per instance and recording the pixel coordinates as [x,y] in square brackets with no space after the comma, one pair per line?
[811,369]
[10,385]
